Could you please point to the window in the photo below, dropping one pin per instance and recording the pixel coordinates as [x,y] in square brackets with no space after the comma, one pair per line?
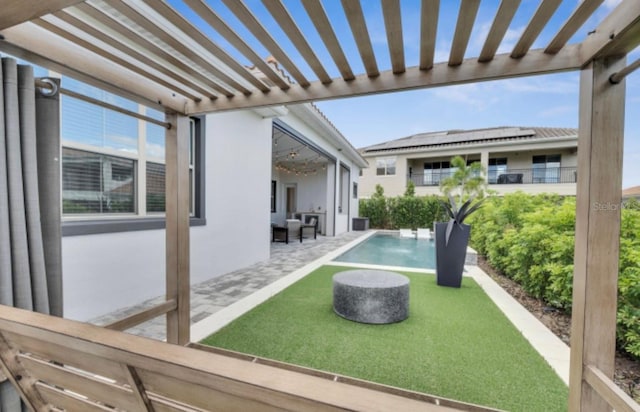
[497,166]
[97,183]
[546,168]
[343,199]
[386,167]
[434,172]
[113,164]
[273,196]
[155,187]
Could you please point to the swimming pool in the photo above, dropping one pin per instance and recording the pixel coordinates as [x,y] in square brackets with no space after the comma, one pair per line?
[392,250]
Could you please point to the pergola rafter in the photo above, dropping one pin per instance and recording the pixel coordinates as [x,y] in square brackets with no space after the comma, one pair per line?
[177,56]
[149,52]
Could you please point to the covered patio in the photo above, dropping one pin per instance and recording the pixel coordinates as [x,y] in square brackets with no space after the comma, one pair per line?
[150,52]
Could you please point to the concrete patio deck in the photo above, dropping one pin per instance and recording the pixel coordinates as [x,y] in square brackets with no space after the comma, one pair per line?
[217,293]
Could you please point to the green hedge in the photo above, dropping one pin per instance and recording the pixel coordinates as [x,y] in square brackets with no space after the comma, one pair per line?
[531,240]
[408,211]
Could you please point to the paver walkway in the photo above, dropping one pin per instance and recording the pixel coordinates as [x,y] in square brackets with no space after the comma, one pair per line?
[213,295]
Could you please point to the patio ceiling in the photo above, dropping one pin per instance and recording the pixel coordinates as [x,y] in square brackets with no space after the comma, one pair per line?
[150,50]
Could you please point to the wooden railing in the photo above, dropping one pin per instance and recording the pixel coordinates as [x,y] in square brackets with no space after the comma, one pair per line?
[143,316]
[609,391]
[60,364]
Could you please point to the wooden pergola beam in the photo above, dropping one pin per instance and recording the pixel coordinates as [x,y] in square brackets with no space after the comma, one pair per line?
[499,27]
[464,26]
[501,67]
[123,60]
[393,26]
[320,20]
[571,26]
[35,44]
[429,10]
[358,25]
[618,34]
[595,278]
[15,12]
[126,32]
[289,26]
[251,22]
[178,284]
[538,22]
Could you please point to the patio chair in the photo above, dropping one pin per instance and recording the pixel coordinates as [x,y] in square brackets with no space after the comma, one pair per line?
[312,224]
[294,229]
[423,233]
[407,233]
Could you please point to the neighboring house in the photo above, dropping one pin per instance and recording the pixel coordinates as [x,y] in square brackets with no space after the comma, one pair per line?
[249,168]
[631,192]
[531,159]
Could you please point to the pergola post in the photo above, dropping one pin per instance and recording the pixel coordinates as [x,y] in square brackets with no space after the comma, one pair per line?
[177,233]
[599,190]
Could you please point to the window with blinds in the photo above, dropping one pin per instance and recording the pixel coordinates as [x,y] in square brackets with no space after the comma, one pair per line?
[97,183]
[114,163]
[155,187]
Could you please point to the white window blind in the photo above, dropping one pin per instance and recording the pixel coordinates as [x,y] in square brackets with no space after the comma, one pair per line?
[97,183]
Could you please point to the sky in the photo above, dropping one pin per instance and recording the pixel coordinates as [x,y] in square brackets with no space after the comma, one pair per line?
[550,100]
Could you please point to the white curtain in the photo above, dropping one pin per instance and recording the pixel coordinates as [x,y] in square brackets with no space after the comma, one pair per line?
[30,258]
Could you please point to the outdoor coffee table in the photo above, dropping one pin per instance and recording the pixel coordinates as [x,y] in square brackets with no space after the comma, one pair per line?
[371,296]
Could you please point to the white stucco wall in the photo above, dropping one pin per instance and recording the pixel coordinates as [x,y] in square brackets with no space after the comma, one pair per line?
[238,195]
[102,273]
[106,272]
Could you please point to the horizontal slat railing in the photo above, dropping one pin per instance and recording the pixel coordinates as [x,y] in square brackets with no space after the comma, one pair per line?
[172,377]
[609,391]
[142,316]
[547,175]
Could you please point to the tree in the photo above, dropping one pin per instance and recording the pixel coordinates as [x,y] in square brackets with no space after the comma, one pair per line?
[467,181]
[410,191]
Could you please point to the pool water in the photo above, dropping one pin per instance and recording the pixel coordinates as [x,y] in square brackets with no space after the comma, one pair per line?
[392,250]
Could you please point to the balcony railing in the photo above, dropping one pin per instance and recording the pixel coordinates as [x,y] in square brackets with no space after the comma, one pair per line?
[542,175]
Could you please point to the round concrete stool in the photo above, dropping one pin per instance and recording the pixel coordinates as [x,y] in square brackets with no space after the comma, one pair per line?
[371,296]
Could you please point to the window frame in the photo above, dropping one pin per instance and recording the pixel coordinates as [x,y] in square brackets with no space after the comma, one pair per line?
[496,167]
[386,166]
[79,225]
[542,173]
[274,188]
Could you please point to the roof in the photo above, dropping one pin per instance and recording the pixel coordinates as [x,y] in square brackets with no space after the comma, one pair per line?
[633,191]
[459,137]
[315,117]
[193,59]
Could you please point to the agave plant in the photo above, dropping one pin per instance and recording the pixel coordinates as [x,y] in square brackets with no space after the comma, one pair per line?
[458,215]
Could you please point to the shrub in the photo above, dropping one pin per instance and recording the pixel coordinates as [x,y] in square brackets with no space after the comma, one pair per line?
[407,211]
[531,239]
[375,209]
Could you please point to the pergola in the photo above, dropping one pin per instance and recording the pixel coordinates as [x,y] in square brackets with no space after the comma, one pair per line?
[148,51]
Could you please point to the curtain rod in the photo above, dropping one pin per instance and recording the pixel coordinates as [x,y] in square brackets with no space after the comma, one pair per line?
[50,86]
[618,76]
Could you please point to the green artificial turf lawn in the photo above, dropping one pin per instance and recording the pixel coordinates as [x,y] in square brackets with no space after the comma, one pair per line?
[456,343]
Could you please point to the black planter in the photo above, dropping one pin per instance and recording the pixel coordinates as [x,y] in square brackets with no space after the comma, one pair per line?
[450,257]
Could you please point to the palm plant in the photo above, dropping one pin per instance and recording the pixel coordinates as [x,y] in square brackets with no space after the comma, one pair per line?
[465,190]
[457,216]
[466,184]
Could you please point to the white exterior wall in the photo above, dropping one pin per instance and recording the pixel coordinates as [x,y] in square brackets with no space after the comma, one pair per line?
[106,272]
[238,196]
